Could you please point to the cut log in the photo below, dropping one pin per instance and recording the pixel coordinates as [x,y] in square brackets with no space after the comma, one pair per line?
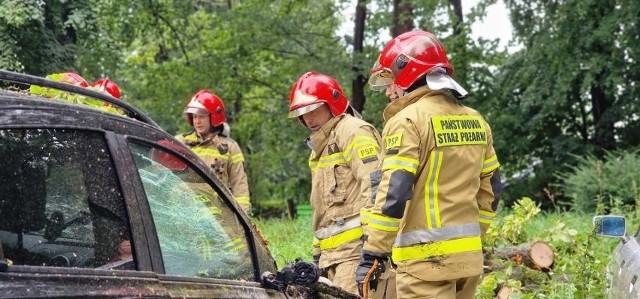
[504,293]
[537,255]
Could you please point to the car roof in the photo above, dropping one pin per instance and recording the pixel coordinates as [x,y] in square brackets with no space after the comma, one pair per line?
[24,79]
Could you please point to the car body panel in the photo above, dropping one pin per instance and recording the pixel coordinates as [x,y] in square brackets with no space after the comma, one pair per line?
[624,269]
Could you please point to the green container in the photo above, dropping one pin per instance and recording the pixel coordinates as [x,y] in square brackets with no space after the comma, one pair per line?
[304,210]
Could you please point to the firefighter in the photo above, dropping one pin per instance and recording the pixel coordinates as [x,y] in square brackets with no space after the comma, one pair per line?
[205,113]
[106,85]
[435,199]
[345,151]
[207,238]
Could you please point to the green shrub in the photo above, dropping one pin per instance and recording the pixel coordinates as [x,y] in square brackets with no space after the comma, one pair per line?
[580,258]
[603,185]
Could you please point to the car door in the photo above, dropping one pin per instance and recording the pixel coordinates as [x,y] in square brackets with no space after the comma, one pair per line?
[65,226]
[205,246]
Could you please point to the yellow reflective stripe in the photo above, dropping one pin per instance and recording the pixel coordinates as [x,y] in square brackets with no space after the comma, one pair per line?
[490,164]
[313,165]
[234,245]
[237,158]
[383,223]
[487,213]
[431,194]
[341,238]
[440,248]
[359,142]
[316,242]
[206,212]
[190,138]
[364,216]
[330,160]
[202,198]
[486,217]
[335,229]
[209,152]
[397,162]
[243,200]
[206,248]
[215,211]
[377,226]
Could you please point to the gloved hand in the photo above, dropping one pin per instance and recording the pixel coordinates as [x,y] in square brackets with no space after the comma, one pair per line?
[369,269]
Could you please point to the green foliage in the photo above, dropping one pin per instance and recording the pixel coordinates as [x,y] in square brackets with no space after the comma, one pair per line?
[288,239]
[567,91]
[510,229]
[579,269]
[581,258]
[603,185]
[71,98]
[42,37]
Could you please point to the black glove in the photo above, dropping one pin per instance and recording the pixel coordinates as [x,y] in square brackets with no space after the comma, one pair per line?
[372,265]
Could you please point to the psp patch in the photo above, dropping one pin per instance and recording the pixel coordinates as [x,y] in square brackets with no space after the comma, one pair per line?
[368,154]
[452,130]
[393,141]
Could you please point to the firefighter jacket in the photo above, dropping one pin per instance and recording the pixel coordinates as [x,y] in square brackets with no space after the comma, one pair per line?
[224,156]
[435,198]
[345,177]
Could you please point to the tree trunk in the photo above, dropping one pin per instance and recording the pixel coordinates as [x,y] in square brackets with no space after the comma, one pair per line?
[457,10]
[359,79]
[604,128]
[537,255]
[402,17]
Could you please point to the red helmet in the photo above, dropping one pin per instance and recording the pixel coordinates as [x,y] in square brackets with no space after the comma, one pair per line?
[167,159]
[74,79]
[406,58]
[106,85]
[205,102]
[314,89]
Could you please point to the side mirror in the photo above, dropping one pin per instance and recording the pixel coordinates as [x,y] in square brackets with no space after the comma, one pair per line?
[609,225]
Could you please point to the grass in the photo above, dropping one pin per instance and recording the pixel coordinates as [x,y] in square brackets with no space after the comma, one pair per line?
[288,239]
[579,270]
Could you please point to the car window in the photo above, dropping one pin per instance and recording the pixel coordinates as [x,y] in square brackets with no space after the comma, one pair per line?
[60,200]
[199,235]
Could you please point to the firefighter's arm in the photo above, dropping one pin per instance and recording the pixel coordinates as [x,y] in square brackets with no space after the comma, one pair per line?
[399,167]
[238,177]
[487,203]
[363,153]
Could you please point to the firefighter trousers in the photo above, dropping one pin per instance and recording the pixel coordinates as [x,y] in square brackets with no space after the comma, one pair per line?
[409,286]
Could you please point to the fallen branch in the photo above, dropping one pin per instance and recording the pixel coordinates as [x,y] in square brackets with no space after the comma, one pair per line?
[537,255]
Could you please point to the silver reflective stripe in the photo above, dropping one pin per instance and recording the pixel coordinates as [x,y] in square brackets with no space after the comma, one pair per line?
[384,223]
[437,234]
[335,229]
